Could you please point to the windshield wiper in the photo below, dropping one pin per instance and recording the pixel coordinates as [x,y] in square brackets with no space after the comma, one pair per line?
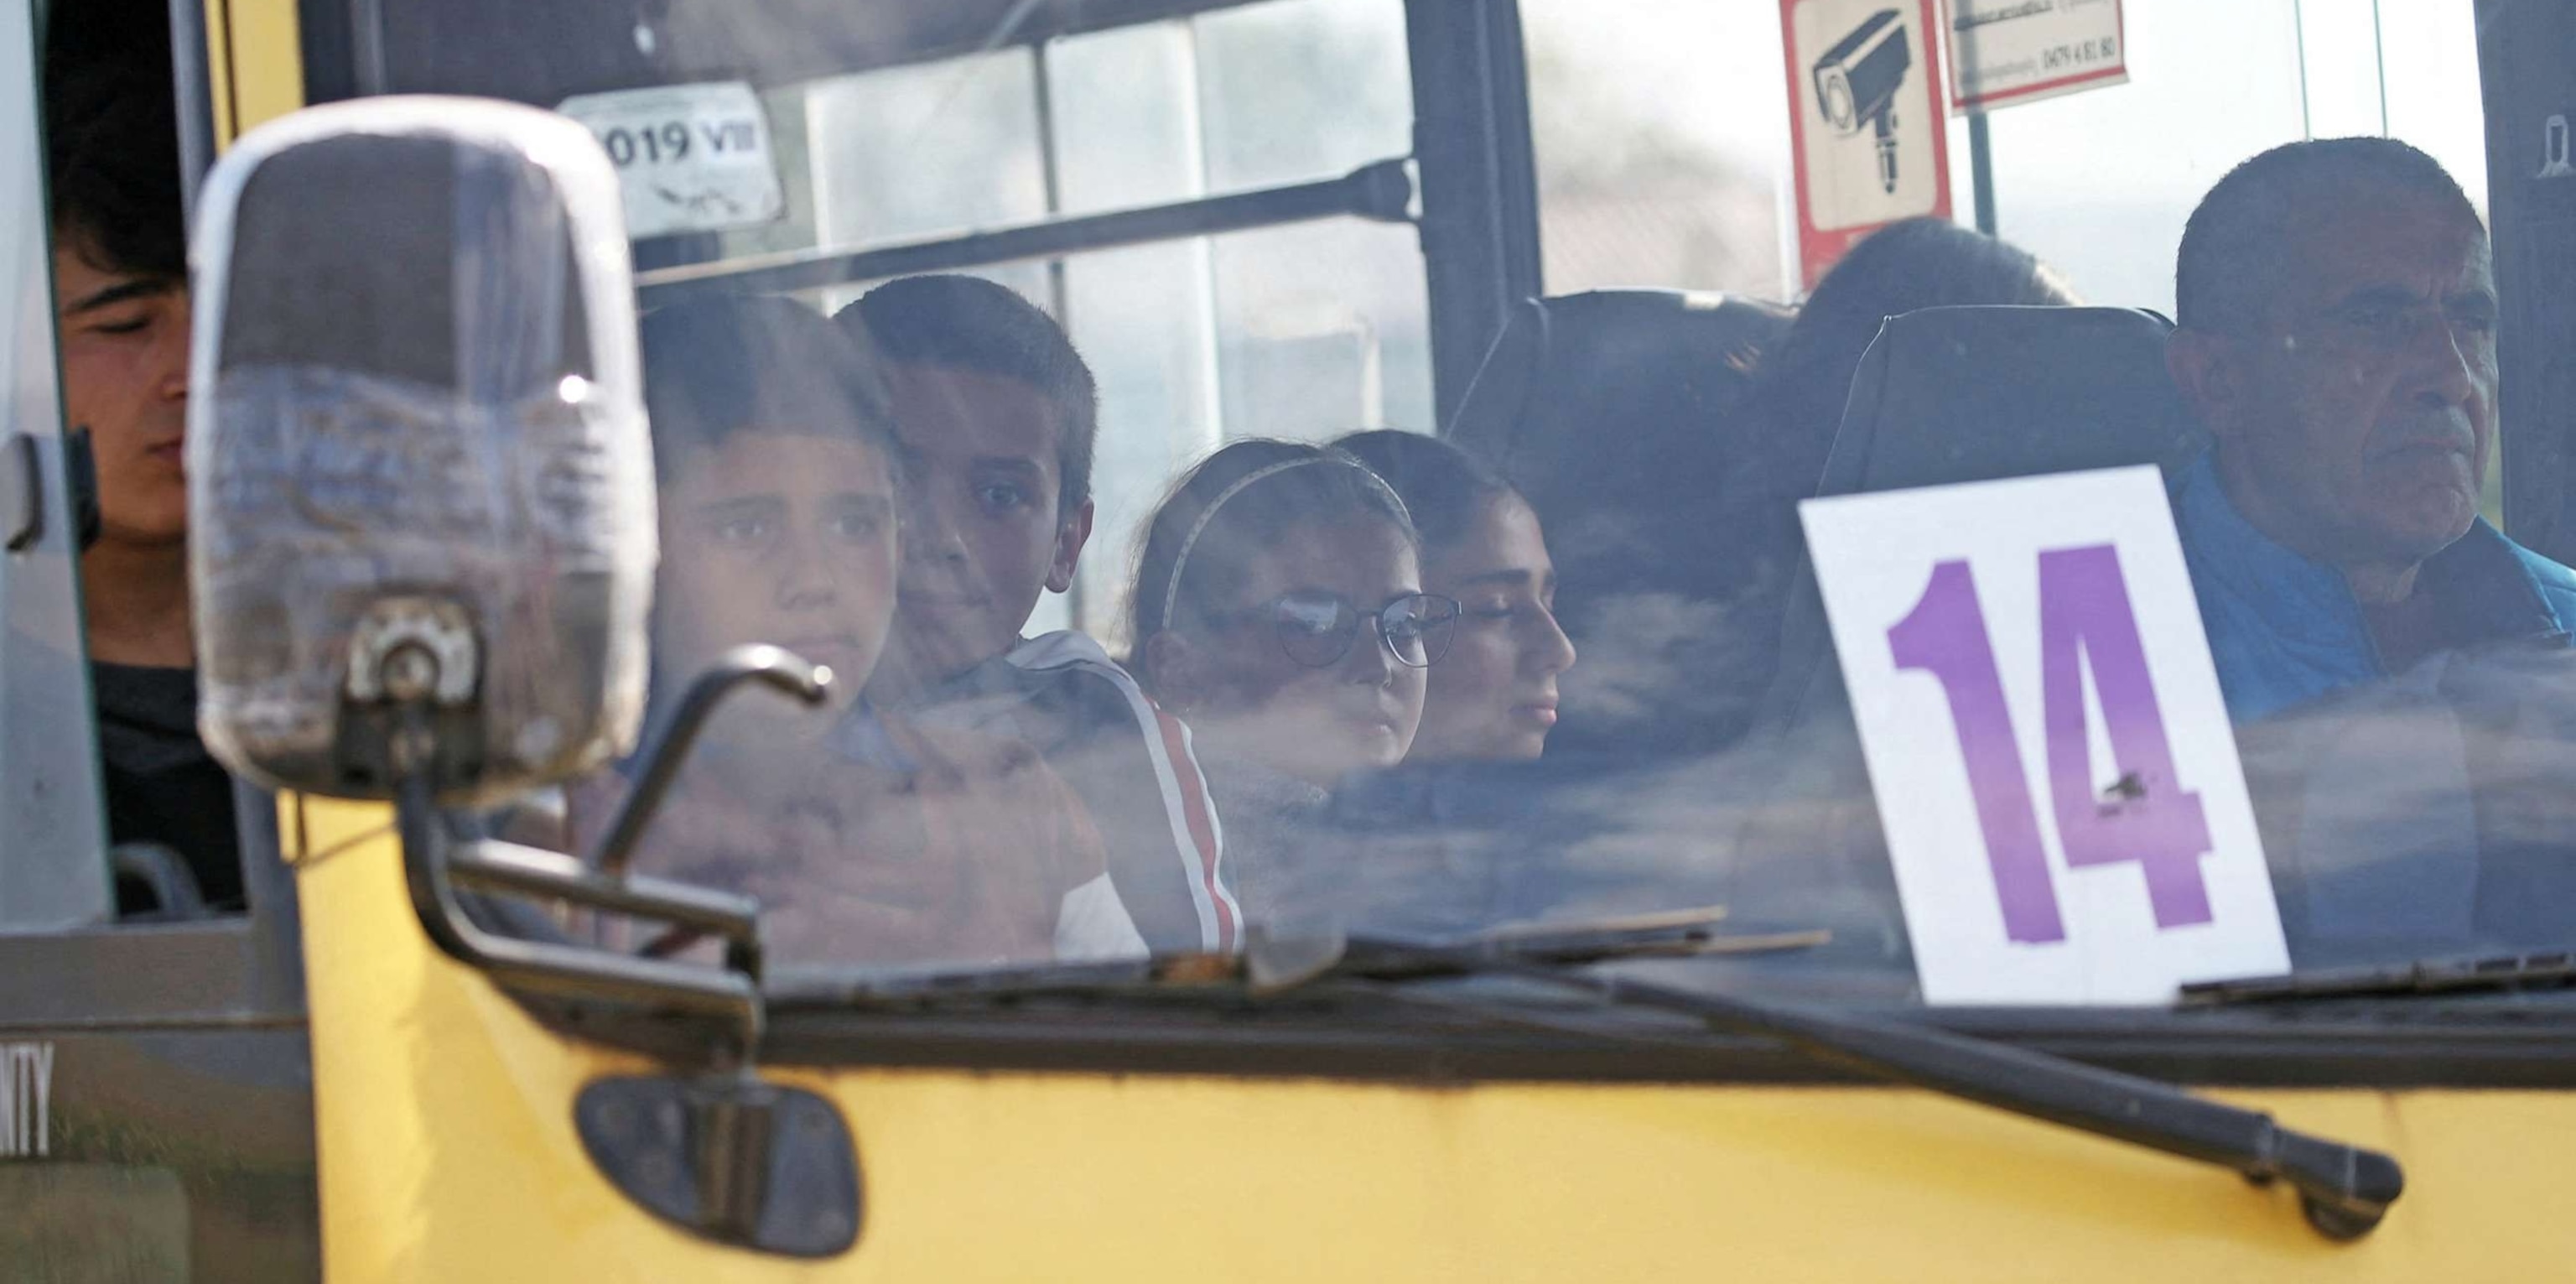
[1690,933]
[2344,1191]
[2427,976]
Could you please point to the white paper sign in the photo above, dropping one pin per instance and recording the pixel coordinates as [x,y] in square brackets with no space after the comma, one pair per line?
[2052,759]
[2016,51]
[693,158]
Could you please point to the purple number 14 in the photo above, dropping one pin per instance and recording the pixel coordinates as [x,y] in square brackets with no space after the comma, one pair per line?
[2084,622]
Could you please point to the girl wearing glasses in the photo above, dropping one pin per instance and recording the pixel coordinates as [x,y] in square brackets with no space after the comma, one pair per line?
[1494,696]
[1279,612]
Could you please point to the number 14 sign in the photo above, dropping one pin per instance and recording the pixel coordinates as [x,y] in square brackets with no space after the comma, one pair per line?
[2052,760]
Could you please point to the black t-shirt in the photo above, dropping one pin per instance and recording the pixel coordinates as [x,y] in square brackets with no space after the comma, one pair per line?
[162,785]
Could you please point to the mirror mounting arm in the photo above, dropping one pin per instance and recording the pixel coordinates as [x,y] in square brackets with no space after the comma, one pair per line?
[565,970]
[407,675]
[739,1161]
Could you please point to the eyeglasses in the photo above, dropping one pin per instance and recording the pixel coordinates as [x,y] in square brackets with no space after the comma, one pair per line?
[1316,629]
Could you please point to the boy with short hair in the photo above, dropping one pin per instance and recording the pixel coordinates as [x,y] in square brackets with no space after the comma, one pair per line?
[997,414]
[120,265]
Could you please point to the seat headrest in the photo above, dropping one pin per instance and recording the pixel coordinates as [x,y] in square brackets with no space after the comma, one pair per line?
[1976,393]
[1584,368]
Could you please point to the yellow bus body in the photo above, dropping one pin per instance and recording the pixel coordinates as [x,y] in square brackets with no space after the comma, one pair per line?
[447,1152]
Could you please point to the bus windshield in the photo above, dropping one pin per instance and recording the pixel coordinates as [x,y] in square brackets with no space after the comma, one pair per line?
[1999,518]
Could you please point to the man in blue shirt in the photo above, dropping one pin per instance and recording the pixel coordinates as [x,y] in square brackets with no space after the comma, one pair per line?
[2336,313]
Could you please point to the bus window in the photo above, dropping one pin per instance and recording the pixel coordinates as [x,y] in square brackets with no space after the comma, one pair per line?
[1217,708]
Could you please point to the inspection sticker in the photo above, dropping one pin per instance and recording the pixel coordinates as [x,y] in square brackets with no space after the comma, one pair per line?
[2052,761]
[693,158]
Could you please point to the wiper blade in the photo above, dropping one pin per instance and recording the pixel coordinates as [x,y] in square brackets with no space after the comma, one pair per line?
[2428,976]
[1281,962]
[1277,962]
[2344,1191]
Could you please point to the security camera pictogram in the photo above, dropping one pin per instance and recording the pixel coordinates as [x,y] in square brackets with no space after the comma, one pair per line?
[1857,80]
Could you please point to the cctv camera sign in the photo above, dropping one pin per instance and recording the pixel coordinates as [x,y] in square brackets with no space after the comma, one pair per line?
[1868,127]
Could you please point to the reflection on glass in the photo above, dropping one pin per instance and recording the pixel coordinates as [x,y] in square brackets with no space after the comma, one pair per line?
[1295,90]
[1661,145]
[2408,800]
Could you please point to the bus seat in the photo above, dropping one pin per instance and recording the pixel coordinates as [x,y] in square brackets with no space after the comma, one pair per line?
[1974,393]
[1610,410]
[1963,394]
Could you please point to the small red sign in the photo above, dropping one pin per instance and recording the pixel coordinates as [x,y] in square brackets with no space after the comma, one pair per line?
[1868,125]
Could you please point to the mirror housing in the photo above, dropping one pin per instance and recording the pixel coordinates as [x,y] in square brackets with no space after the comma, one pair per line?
[418,465]
[729,1157]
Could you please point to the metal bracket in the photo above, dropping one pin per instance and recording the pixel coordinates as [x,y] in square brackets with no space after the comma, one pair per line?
[408,648]
[413,660]
[725,1155]
[1381,191]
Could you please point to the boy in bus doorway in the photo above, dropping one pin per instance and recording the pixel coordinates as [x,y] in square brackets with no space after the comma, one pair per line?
[996,414]
[120,262]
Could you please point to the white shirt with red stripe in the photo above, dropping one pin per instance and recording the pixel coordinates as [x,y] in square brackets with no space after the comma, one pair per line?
[1195,856]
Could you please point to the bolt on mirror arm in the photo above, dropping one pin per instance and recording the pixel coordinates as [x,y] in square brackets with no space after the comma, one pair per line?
[778,669]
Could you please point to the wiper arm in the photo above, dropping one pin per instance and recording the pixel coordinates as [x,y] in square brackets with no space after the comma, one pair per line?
[2428,976]
[2344,1191]
[1283,961]
[1687,933]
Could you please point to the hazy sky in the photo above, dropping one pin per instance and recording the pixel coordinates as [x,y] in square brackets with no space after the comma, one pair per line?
[2098,183]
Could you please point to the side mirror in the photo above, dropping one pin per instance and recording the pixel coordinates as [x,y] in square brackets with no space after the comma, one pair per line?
[420,480]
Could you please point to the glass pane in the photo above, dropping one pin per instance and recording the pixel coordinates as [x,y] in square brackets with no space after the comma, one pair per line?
[1589,679]
[1295,90]
[882,149]
[1144,322]
[1662,144]
[2112,227]
[1323,331]
[1125,108]
[2162,140]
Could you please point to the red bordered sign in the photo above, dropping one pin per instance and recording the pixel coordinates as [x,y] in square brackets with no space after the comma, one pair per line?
[1868,131]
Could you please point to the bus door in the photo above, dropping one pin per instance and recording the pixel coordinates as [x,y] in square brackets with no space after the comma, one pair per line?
[156,1111]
